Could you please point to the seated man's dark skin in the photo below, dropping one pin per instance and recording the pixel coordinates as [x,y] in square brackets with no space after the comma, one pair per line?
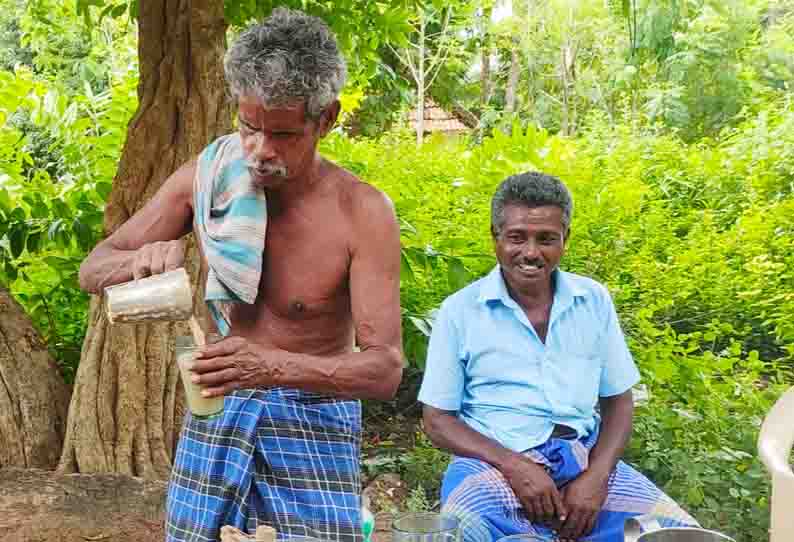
[330,275]
[537,234]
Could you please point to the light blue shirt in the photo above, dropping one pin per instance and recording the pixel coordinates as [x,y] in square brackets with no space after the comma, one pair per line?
[487,363]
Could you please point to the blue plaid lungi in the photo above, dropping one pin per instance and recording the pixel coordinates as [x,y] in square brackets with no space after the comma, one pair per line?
[488,509]
[280,457]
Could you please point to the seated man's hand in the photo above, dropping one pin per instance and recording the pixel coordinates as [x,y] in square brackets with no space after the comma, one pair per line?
[535,490]
[230,364]
[583,499]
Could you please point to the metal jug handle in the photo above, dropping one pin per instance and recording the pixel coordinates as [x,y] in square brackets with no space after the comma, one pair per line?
[634,527]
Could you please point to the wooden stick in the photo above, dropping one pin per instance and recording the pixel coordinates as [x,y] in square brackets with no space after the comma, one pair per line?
[265,533]
[198,334]
[233,534]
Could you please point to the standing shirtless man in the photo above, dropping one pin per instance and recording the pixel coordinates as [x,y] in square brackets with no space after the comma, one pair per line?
[285,450]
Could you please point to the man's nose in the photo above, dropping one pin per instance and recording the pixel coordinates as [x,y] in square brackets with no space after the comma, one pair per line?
[531,249]
[263,148]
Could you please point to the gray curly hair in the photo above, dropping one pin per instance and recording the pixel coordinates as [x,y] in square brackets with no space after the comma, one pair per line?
[532,189]
[289,57]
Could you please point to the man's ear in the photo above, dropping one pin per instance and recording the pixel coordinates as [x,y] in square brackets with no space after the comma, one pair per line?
[328,117]
[566,236]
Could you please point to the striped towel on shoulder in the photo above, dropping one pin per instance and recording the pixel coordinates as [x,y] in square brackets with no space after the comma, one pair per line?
[230,222]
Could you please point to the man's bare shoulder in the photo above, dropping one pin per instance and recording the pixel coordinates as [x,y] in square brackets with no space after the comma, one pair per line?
[361,200]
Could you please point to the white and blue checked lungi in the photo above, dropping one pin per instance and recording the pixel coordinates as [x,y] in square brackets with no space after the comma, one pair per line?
[281,457]
[488,509]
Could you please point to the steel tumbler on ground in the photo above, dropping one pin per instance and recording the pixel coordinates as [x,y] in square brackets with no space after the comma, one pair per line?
[426,527]
[654,533]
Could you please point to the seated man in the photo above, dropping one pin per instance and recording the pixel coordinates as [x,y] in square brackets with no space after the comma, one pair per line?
[516,364]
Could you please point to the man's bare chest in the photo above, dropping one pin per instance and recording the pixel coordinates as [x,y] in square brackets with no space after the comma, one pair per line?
[301,283]
[305,270]
[303,304]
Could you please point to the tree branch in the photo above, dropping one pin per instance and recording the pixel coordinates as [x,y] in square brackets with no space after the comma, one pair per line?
[406,61]
[550,96]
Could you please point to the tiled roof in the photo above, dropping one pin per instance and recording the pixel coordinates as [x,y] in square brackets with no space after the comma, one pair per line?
[437,119]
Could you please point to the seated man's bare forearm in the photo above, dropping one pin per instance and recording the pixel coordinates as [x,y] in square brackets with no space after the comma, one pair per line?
[616,422]
[448,432]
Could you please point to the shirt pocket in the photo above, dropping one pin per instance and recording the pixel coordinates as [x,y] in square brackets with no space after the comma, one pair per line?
[575,379]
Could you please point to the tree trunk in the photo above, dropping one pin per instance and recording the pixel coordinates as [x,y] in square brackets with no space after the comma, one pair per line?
[568,77]
[33,396]
[127,404]
[420,82]
[568,83]
[531,28]
[564,121]
[512,80]
[485,56]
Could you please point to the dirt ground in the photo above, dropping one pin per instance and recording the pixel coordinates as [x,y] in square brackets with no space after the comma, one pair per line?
[42,506]
[56,527]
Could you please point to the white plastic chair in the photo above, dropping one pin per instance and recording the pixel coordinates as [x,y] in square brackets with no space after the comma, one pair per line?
[774,447]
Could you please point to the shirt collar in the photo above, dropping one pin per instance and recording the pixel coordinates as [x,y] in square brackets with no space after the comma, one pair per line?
[493,288]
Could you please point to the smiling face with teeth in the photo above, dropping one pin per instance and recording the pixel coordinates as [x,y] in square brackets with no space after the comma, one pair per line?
[529,246]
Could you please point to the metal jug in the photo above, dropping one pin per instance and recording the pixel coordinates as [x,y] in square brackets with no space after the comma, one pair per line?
[655,533]
[774,446]
[167,296]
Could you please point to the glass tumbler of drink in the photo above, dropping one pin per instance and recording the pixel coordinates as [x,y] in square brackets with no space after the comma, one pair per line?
[201,407]
[426,527]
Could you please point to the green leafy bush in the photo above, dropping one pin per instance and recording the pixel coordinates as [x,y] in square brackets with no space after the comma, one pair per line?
[58,158]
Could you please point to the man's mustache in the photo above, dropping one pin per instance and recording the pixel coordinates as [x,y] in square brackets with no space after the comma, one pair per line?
[537,263]
[264,168]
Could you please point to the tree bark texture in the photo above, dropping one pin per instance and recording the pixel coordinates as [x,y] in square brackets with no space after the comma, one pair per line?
[127,404]
[33,396]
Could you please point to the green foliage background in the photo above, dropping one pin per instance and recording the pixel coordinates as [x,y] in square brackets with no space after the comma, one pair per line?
[684,206]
